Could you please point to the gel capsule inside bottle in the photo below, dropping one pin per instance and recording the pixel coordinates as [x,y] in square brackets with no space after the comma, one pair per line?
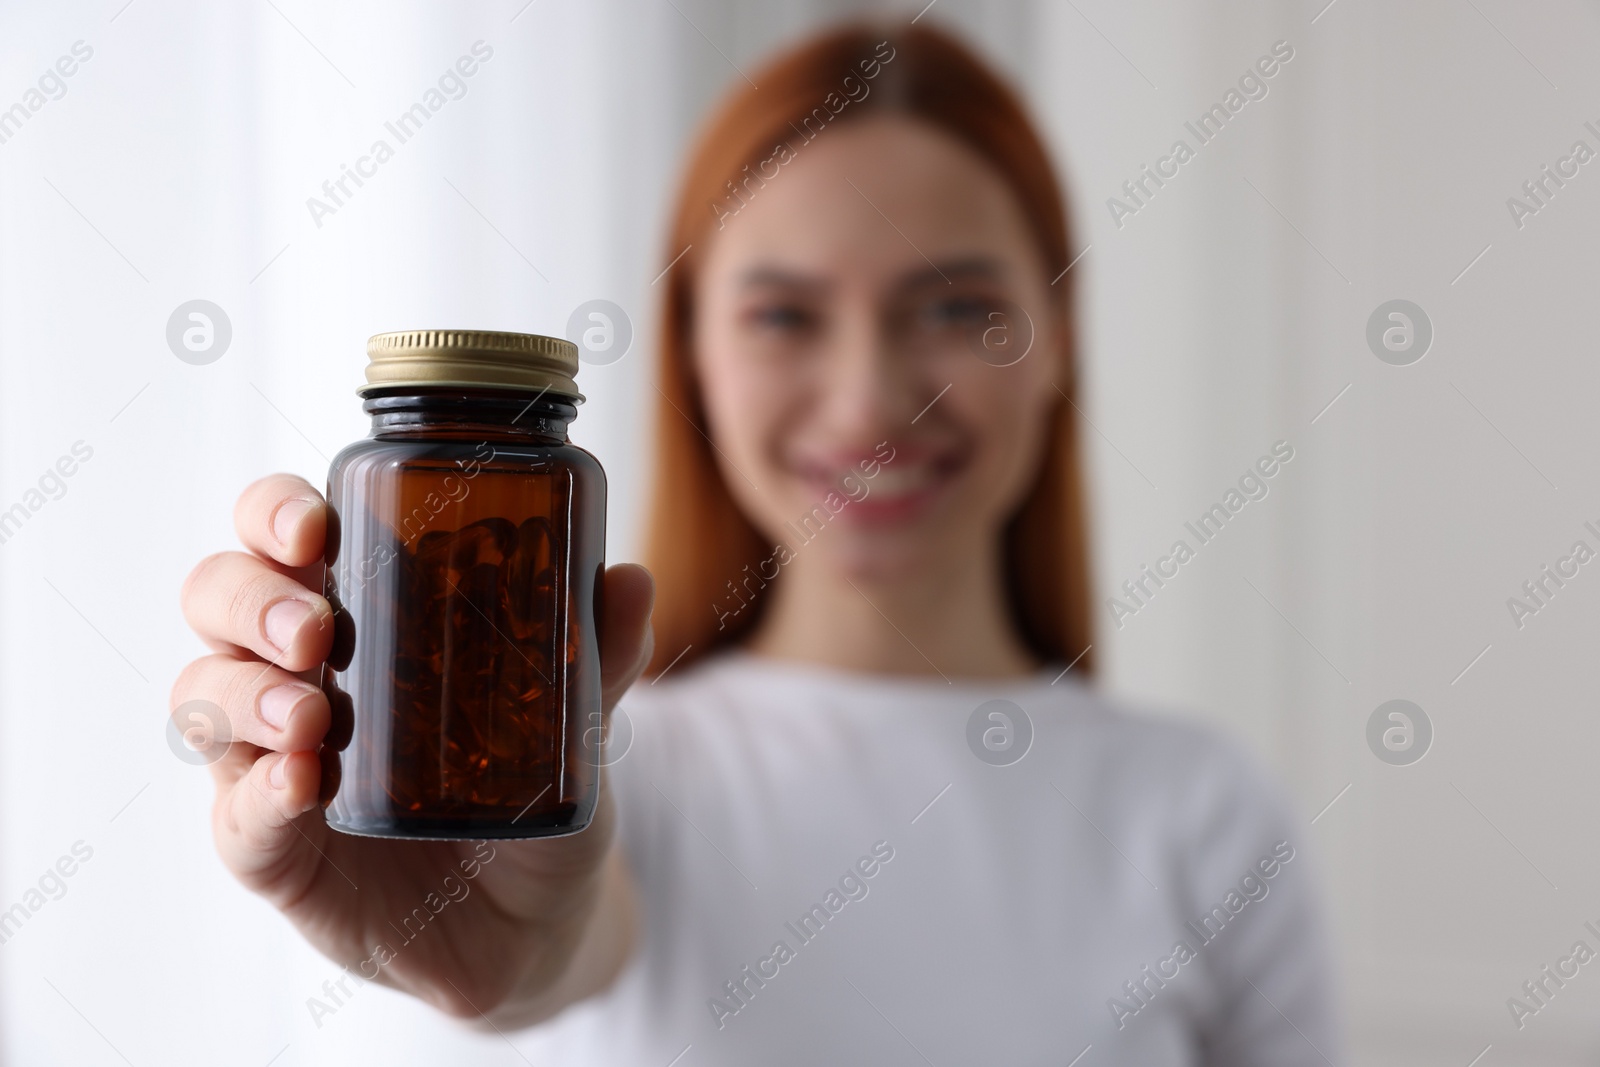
[465,548]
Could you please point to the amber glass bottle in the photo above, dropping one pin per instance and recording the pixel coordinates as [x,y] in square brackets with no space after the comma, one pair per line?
[463,566]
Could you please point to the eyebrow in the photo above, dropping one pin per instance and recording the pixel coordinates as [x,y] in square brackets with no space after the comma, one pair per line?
[981,268]
[767,275]
[984,268]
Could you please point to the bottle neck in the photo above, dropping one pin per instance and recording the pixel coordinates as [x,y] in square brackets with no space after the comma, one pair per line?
[485,413]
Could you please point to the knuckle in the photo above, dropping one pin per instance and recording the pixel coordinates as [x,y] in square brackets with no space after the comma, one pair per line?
[247,598]
[200,577]
[239,689]
[260,816]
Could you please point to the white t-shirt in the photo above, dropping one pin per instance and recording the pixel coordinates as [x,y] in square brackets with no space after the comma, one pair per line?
[830,874]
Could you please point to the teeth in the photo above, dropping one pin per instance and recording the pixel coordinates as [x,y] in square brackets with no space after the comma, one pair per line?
[901,481]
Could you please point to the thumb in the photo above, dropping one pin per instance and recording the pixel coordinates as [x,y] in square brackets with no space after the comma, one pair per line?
[628,594]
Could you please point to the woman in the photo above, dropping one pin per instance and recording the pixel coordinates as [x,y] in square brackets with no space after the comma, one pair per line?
[870,811]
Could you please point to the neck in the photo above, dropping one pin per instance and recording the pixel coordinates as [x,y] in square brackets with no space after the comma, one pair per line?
[956,626]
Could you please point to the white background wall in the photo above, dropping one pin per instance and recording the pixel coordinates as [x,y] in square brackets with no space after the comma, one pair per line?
[1224,316]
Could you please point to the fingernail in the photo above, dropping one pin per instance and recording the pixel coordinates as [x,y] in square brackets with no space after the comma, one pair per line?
[279,701]
[287,516]
[279,774]
[284,620]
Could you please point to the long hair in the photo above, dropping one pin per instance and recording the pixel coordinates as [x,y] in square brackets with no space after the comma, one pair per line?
[698,540]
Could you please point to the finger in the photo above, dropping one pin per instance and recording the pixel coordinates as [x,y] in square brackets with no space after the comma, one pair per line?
[283,518]
[266,706]
[254,823]
[240,601]
[625,637]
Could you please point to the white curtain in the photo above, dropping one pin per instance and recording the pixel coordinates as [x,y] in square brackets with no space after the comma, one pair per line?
[1228,312]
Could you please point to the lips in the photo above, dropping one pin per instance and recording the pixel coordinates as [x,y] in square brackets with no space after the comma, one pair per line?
[905,487]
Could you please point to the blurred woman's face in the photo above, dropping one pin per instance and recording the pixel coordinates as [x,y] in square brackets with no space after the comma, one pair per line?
[840,346]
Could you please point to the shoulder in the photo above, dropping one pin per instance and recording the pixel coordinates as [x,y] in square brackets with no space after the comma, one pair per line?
[1195,802]
[1229,825]
[1198,766]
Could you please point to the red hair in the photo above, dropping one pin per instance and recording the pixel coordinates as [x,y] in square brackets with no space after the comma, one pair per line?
[697,538]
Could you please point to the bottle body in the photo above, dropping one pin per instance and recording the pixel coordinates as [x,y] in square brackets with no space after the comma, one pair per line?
[463,566]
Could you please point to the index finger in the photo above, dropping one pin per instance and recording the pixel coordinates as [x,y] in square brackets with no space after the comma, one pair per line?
[282,518]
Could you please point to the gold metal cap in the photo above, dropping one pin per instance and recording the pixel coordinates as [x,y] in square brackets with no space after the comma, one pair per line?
[472,358]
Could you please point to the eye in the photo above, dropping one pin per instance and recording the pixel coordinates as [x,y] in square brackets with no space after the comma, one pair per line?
[957,311]
[781,318]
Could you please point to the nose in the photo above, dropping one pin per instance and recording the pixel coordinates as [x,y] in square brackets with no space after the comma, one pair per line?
[870,387]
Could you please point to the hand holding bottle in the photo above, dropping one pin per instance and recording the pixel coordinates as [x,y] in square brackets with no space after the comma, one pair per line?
[550,922]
